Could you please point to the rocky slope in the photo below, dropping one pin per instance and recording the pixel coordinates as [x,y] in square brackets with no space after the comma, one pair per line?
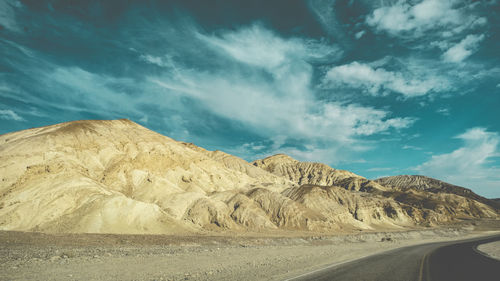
[423,183]
[302,172]
[314,173]
[113,176]
[119,177]
[430,203]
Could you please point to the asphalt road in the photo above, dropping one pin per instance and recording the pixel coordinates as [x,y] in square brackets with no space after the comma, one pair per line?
[456,261]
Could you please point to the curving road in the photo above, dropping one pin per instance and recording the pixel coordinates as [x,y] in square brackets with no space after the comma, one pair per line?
[456,261]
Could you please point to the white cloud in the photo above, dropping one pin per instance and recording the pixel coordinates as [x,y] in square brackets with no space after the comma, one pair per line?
[285,108]
[153,60]
[90,89]
[253,146]
[250,77]
[377,80]
[326,16]
[403,17]
[380,169]
[258,46]
[433,23]
[8,15]
[267,87]
[470,164]
[8,114]
[359,34]
[444,111]
[411,147]
[464,49]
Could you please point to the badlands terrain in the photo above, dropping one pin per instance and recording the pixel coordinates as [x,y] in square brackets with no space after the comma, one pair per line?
[119,199]
[119,177]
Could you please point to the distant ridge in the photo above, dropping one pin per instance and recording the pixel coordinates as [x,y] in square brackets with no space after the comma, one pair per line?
[419,182]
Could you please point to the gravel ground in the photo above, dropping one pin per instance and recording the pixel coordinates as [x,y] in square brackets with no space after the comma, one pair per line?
[37,256]
[491,249]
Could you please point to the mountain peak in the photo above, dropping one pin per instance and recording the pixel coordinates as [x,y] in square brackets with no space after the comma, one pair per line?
[277,158]
[303,172]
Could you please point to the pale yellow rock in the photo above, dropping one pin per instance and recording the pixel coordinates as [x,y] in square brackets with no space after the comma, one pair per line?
[302,172]
[119,177]
[50,174]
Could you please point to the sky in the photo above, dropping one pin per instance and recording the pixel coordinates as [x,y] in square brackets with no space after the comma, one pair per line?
[379,88]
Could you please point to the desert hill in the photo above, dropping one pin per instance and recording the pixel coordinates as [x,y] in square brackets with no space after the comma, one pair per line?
[423,183]
[115,176]
[314,173]
[110,176]
[421,205]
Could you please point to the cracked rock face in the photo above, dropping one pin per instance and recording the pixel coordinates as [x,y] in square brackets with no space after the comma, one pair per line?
[119,177]
[303,172]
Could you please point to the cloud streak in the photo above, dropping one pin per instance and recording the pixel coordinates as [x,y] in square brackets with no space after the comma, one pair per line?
[268,88]
[8,15]
[8,114]
[468,165]
[464,49]
[378,81]
[401,17]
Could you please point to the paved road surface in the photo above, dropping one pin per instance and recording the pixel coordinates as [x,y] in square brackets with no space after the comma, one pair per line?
[454,261]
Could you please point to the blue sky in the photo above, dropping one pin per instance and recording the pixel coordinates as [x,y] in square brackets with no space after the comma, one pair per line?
[376,87]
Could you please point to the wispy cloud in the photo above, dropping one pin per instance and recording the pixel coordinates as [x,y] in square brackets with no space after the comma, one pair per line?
[359,34]
[379,81]
[249,77]
[429,24]
[153,60]
[258,46]
[444,111]
[464,49]
[470,164]
[268,89]
[402,17]
[8,114]
[8,15]
[327,16]
[411,147]
[380,169]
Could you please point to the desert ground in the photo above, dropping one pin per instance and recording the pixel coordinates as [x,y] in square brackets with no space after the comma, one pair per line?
[491,249]
[112,200]
[38,256]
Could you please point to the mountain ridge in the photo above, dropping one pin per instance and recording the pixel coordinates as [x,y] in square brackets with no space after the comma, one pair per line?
[116,176]
[420,182]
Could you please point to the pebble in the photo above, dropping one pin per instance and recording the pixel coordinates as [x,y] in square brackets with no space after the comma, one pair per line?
[54,258]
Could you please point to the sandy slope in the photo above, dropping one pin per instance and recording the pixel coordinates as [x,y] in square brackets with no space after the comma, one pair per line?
[118,177]
[113,176]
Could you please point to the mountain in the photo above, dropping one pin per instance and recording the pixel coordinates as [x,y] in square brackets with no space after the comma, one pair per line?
[423,183]
[116,176]
[386,204]
[112,176]
[314,173]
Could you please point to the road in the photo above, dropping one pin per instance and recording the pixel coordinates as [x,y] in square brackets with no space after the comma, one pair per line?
[442,261]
